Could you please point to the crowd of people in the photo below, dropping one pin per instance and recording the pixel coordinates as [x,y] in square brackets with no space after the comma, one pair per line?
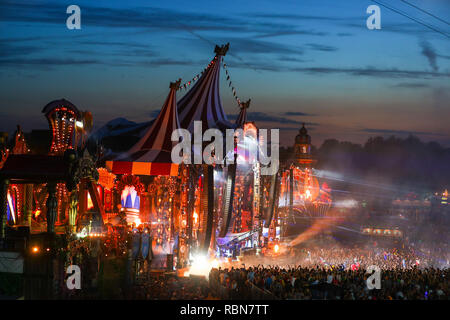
[173,288]
[331,274]
[311,272]
[334,272]
[306,283]
[359,256]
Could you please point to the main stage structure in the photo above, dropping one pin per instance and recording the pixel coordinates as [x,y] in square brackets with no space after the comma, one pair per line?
[219,209]
[192,208]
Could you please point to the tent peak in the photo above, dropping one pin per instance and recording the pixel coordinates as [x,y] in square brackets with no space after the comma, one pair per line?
[175,85]
[222,50]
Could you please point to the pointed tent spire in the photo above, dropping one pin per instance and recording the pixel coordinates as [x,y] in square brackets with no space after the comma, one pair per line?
[202,102]
[151,155]
[242,118]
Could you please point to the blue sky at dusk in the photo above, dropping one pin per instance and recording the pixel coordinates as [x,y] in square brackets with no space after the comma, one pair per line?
[299,61]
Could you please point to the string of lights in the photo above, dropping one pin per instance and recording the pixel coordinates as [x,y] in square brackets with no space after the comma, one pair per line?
[230,84]
[187,84]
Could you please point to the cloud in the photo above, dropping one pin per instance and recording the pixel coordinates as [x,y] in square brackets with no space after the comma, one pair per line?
[115,43]
[300,17]
[429,52]
[14,48]
[255,65]
[152,19]
[43,62]
[344,34]
[266,117]
[291,33]
[47,62]
[296,113]
[374,72]
[143,18]
[292,59]
[407,28]
[412,85]
[391,131]
[166,62]
[310,127]
[138,17]
[253,46]
[321,47]
[368,71]
[443,56]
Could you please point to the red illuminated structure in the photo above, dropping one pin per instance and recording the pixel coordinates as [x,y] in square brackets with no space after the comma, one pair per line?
[184,204]
[63,117]
[41,190]
[300,191]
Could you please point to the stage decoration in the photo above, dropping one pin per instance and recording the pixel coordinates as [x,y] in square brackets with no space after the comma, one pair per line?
[202,102]
[20,145]
[106,178]
[233,89]
[129,198]
[187,84]
[129,180]
[151,155]
[11,205]
[62,116]
[3,155]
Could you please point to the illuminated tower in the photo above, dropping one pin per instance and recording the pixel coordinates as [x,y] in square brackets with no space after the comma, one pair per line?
[302,149]
[63,117]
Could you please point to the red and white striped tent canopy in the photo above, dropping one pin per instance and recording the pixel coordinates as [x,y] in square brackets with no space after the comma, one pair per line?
[202,102]
[151,155]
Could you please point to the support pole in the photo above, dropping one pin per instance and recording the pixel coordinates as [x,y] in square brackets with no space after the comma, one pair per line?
[73,211]
[82,198]
[228,201]
[291,192]
[52,207]
[272,198]
[3,208]
[190,206]
[209,185]
[28,204]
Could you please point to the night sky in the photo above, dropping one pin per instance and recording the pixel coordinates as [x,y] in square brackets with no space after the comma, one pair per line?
[309,61]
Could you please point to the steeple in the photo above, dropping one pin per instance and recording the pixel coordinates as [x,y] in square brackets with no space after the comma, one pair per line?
[302,149]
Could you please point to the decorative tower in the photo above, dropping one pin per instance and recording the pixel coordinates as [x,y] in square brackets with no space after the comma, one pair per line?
[62,117]
[302,149]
